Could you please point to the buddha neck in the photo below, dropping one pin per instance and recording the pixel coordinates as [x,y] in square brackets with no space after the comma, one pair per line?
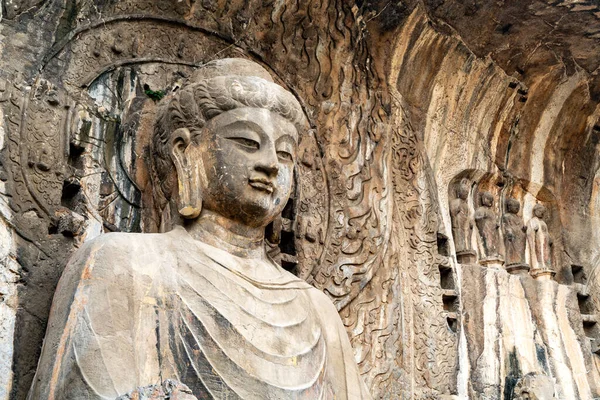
[228,235]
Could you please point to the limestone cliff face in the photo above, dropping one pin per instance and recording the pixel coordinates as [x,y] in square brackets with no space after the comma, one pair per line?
[530,135]
[407,101]
[537,131]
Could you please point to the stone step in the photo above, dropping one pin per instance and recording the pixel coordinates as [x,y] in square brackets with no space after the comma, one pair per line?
[443,266]
[452,315]
[449,294]
[582,290]
[589,319]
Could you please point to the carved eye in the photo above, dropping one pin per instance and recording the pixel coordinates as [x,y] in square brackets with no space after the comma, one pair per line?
[247,144]
[284,155]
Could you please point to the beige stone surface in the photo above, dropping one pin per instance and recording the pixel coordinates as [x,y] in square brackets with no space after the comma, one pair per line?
[133,309]
[405,100]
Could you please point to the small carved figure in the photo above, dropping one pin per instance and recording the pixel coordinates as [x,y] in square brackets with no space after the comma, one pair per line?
[488,226]
[462,224]
[515,238]
[203,304]
[539,242]
[118,46]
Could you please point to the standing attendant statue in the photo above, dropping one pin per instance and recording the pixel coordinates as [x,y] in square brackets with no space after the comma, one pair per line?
[462,225]
[540,244]
[515,238]
[202,312]
[488,228]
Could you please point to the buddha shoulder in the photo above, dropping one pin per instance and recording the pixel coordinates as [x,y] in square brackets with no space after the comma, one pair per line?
[120,253]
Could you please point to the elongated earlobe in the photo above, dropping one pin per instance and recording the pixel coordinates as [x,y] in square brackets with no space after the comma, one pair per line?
[191,177]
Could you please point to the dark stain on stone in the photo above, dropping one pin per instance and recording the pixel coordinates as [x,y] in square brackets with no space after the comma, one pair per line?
[504,29]
[513,376]
[388,14]
[68,20]
[540,353]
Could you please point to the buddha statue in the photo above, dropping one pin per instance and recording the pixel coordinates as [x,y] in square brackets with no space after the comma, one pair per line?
[462,225]
[202,308]
[514,237]
[539,244]
[488,228]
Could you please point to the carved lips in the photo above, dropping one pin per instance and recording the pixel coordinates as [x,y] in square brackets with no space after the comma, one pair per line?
[261,184]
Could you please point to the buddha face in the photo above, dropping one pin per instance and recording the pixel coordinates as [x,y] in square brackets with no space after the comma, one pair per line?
[539,211]
[513,206]
[462,192]
[248,156]
[487,199]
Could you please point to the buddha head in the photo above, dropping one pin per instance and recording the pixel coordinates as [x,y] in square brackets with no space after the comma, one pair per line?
[231,137]
[539,211]
[462,191]
[513,206]
[487,199]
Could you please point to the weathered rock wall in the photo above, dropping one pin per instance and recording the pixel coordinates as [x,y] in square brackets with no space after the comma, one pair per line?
[405,101]
[534,139]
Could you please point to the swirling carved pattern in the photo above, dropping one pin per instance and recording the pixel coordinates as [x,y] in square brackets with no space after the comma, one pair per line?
[34,122]
[323,39]
[434,344]
[397,323]
[42,146]
[13,108]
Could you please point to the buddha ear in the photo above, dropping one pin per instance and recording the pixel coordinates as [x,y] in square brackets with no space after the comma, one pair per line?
[191,177]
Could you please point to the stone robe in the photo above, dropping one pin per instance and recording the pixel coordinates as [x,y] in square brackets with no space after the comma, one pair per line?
[134,309]
[538,240]
[487,226]
[462,225]
[514,239]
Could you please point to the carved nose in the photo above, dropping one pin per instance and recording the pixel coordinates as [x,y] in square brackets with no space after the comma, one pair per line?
[268,166]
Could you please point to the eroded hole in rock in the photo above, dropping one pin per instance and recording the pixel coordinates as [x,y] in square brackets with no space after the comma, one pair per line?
[579,274]
[52,229]
[588,318]
[288,210]
[585,305]
[442,245]
[452,323]
[590,327]
[75,153]
[287,244]
[505,28]
[289,265]
[450,301]
[70,193]
[446,278]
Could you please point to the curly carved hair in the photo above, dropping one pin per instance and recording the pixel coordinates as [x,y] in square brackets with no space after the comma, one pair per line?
[195,104]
